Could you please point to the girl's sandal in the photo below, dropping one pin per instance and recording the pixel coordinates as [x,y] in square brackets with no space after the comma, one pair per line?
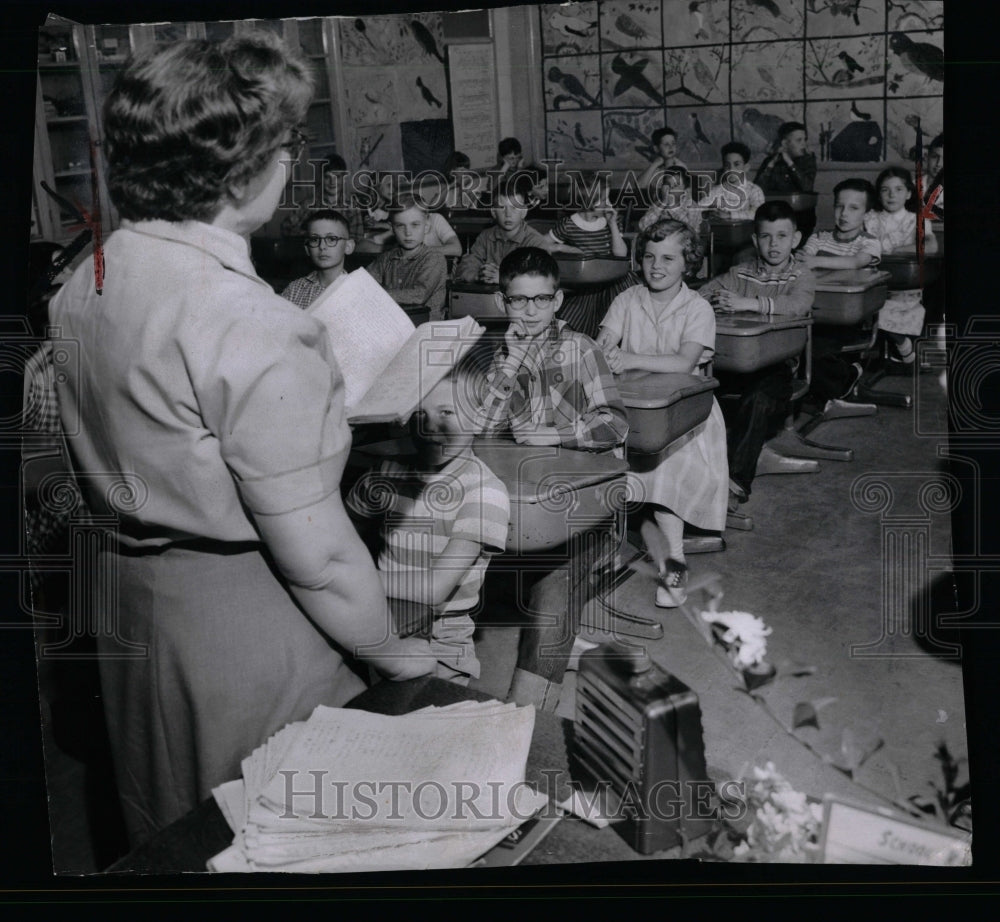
[672,590]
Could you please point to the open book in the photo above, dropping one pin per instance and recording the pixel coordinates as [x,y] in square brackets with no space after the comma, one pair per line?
[388,364]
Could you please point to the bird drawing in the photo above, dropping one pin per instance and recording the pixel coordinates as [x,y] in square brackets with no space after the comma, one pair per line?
[629,132]
[571,84]
[429,97]
[697,20]
[703,74]
[768,5]
[763,125]
[362,29]
[580,141]
[918,57]
[699,132]
[767,76]
[571,25]
[628,26]
[858,114]
[424,38]
[846,8]
[631,75]
[853,66]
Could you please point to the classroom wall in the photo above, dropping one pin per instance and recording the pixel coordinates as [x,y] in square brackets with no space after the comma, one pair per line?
[858,74]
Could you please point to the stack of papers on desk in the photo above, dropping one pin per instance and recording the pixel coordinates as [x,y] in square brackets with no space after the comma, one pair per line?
[349,790]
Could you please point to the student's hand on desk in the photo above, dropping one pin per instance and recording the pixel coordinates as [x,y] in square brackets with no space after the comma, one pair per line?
[728,302]
[489,274]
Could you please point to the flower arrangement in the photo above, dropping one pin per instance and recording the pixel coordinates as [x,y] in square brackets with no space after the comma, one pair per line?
[785,824]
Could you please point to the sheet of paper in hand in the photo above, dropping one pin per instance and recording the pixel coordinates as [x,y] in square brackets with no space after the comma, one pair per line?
[387,363]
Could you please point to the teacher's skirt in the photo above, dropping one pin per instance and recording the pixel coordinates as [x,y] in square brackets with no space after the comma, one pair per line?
[229,659]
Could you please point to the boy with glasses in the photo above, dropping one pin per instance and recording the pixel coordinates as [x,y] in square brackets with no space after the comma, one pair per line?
[549,385]
[327,243]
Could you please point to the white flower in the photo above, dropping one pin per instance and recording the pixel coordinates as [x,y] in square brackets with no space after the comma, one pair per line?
[745,635]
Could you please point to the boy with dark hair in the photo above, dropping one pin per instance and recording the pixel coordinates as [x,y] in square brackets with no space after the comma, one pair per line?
[734,196]
[327,243]
[789,167]
[549,385]
[413,273]
[848,245]
[664,140]
[775,282]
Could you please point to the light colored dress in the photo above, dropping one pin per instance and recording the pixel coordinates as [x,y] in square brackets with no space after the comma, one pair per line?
[693,482]
[903,311]
[218,401]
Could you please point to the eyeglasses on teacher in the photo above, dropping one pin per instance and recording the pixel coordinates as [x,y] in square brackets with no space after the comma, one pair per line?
[314,240]
[296,141]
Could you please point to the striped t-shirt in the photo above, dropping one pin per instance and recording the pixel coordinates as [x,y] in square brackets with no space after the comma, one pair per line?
[424,510]
[593,237]
[825,243]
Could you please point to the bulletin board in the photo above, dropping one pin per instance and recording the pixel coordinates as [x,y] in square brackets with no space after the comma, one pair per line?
[474,110]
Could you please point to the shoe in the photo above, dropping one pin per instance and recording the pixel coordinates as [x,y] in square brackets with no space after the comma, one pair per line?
[907,354]
[673,582]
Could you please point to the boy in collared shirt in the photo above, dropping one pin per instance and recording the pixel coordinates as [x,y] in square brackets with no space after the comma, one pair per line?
[549,385]
[412,273]
[776,282]
[327,243]
[510,210]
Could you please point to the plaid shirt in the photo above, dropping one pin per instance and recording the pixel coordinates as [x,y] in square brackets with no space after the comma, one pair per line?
[413,277]
[302,292]
[564,387]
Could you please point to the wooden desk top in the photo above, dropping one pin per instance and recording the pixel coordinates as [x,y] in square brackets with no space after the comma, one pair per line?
[648,390]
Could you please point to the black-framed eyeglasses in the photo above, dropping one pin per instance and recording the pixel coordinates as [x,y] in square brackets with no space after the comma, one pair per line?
[314,240]
[520,302]
[296,141]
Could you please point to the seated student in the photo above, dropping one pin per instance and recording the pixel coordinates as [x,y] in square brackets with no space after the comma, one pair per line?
[847,246]
[672,199]
[327,242]
[665,141]
[893,221]
[510,210]
[411,272]
[734,196]
[550,386]
[333,194]
[509,157]
[433,554]
[594,230]
[776,282]
[791,168]
[663,326]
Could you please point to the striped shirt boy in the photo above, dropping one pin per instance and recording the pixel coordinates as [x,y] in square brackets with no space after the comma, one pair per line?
[788,289]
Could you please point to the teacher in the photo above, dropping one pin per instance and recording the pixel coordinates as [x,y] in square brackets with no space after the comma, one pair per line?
[236,569]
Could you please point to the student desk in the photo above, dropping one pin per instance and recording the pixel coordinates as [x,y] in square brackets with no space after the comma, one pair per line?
[469,223]
[746,341]
[187,844]
[475,299]
[586,272]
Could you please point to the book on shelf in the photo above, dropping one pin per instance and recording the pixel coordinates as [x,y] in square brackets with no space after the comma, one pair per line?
[388,364]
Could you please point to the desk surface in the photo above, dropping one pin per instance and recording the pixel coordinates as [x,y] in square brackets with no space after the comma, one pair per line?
[848,281]
[750,323]
[187,844]
[651,390]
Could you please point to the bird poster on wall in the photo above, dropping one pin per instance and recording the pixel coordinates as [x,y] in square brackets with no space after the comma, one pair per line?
[631,24]
[422,92]
[569,28]
[573,83]
[370,94]
[848,131]
[845,67]
[696,75]
[716,70]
